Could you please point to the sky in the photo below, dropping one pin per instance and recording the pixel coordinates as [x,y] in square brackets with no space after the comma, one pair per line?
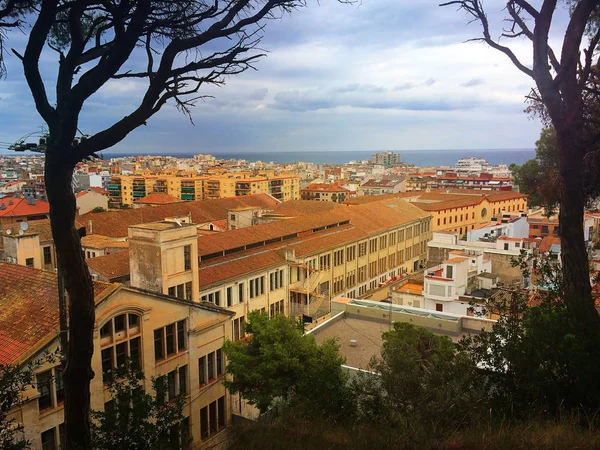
[377,75]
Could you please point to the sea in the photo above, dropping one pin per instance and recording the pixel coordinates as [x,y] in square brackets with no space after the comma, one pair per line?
[415,157]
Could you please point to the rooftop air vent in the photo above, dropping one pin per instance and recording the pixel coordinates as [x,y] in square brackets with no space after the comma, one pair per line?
[353,342]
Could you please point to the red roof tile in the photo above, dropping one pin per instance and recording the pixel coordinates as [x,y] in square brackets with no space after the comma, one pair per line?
[158,198]
[18,207]
[113,266]
[29,309]
[322,187]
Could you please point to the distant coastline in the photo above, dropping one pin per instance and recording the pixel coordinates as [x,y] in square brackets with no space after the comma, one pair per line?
[416,157]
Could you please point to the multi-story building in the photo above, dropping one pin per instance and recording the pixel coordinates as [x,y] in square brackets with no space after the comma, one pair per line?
[161,334]
[416,183]
[28,244]
[484,181]
[458,212]
[325,193]
[15,210]
[387,158]
[381,186]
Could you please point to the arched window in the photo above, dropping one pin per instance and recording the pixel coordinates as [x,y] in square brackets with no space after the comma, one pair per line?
[120,338]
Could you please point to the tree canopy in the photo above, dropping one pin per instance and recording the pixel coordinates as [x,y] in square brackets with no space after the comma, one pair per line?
[278,363]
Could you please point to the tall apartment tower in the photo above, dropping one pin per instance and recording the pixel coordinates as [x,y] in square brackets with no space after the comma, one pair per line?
[163,257]
[388,158]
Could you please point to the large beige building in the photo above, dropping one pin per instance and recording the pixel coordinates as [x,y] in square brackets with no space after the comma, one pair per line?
[163,334]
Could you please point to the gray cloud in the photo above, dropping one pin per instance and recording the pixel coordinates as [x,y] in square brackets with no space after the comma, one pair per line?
[430,82]
[259,94]
[472,82]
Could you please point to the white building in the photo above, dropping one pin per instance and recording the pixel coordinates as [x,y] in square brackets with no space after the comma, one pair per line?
[512,226]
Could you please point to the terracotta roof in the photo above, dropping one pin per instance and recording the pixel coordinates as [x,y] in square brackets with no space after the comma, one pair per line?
[456,260]
[158,198]
[506,238]
[303,207]
[547,243]
[20,207]
[115,223]
[29,309]
[97,190]
[112,267]
[322,187]
[411,288]
[384,182]
[41,227]
[102,242]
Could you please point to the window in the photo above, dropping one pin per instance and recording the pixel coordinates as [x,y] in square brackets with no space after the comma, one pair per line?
[544,228]
[449,272]
[401,235]
[409,232]
[212,418]
[362,274]
[188,290]
[211,366]
[535,227]
[383,242]
[362,249]
[325,262]
[351,253]
[171,385]
[170,340]
[276,280]
[187,257]
[238,328]
[214,297]
[29,262]
[338,258]
[257,287]
[49,439]
[229,296]
[373,245]
[202,370]
[276,308]
[241,292]
[439,307]
[351,278]
[47,255]
[392,260]
[372,269]
[181,341]
[44,387]
[506,246]
[219,356]
[338,284]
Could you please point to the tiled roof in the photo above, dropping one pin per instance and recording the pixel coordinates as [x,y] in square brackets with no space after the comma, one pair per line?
[17,207]
[158,198]
[99,190]
[384,182]
[41,227]
[113,266]
[102,242]
[547,243]
[322,187]
[506,238]
[303,207]
[29,309]
[115,223]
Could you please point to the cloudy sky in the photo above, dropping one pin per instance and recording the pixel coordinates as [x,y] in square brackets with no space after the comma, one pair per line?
[385,74]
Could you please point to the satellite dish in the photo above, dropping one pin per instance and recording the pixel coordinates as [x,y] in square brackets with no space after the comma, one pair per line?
[21,232]
[8,232]
[24,226]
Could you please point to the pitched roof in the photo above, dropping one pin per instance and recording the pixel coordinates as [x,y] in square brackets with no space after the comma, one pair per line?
[102,242]
[113,266]
[547,243]
[116,223]
[94,189]
[303,207]
[17,207]
[322,187]
[384,182]
[158,198]
[29,309]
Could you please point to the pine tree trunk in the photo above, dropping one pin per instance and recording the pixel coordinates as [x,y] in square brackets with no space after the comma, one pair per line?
[574,258]
[81,308]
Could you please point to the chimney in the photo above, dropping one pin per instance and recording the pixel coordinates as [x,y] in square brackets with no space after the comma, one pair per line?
[90,227]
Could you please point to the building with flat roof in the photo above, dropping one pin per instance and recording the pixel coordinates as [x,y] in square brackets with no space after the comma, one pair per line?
[323,192]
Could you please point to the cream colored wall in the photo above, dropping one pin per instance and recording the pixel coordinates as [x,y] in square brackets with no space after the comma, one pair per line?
[91,200]
[23,247]
[207,332]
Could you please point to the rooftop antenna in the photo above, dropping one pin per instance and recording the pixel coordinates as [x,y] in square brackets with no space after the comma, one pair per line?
[24,226]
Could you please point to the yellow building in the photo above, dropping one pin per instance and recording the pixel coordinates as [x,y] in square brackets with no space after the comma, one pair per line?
[456,210]
[124,190]
[163,334]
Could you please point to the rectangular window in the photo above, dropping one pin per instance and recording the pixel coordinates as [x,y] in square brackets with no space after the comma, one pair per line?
[172,291]
[188,290]
[392,239]
[187,257]
[325,262]
[338,258]
[47,255]
[44,389]
[61,435]
[171,388]
[449,272]
[204,423]
[135,352]
[241,292]
[159,344]
[180,293]
[59,385]
[107,364]
[181,336]
[229,296]
[29,262]
[219,362]
[49,439]
[170,340]
[383,242]
[362,249]
[121,350]
[221,408]
[212,411]
[373,245]
[202,370]
[211,366]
